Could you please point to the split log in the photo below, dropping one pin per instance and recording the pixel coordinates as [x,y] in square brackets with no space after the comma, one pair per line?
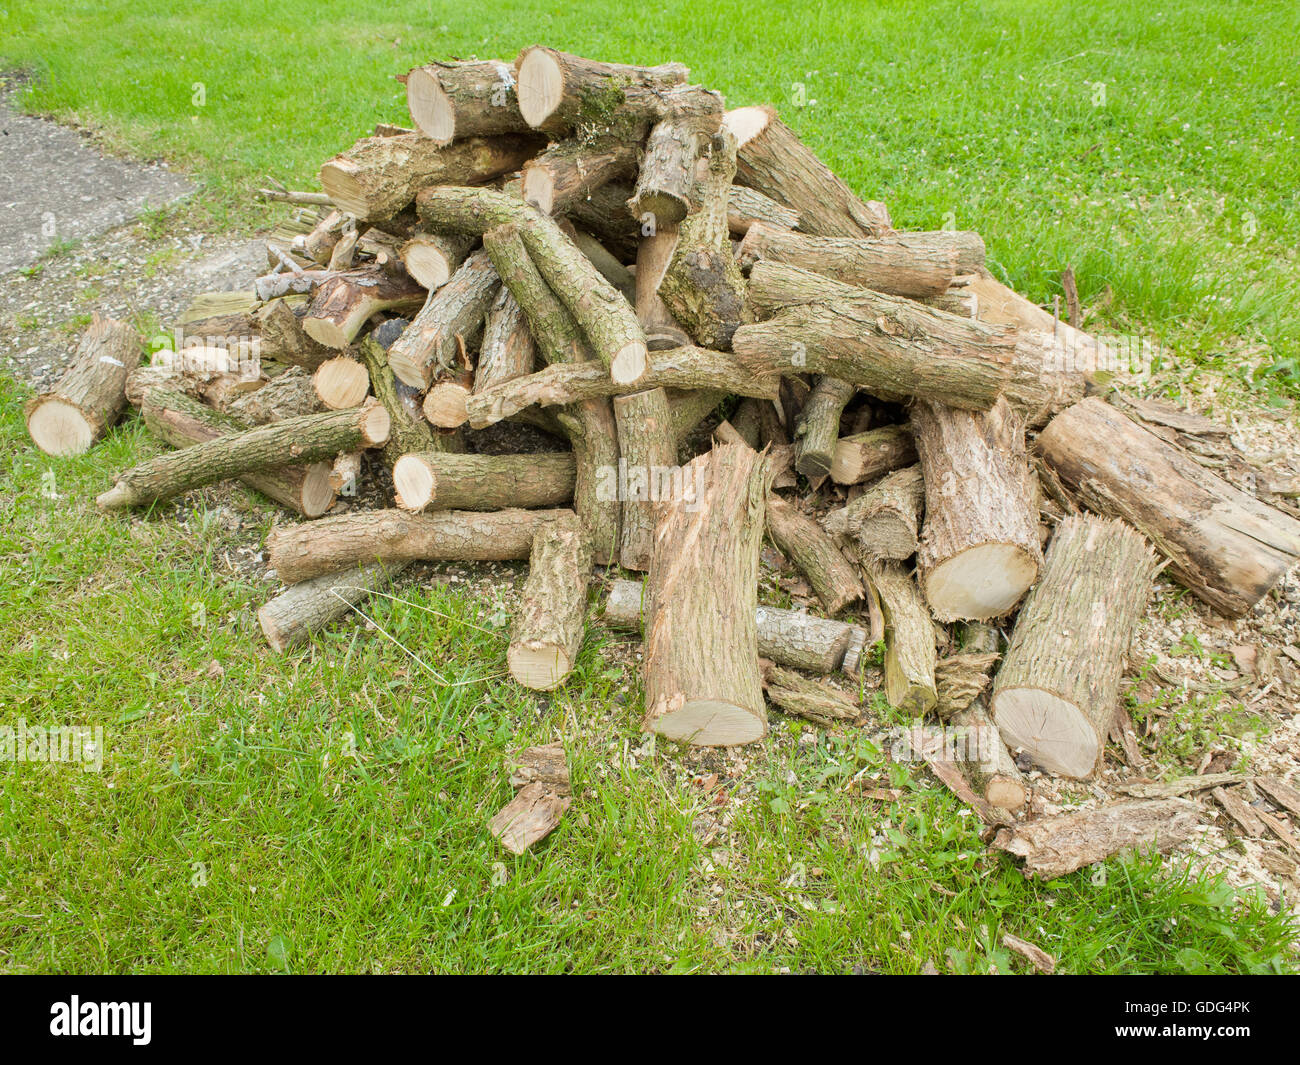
[459,99]
[378,176]
[812,700]
[300,552]
[181,421]
[446,481]
[266,447]
[344,302]
[648,476]
[571,170]
[288,395]
[960,680]
[684,368]
[916,265]
[295,614]
[979,550]
[448,326]
[865,456]
[702,680]
[559,93]
[890,347]
[547,631]
[530,816]
[987,763]
[814,554]
[408,431]
[1225,547]
[1058,687]
[653,255]
[1055,846]
[91,396]
[285,340]
[909,639]
[508,351]
[431,258]
[818,429]
[341,383]
[884,520]
[746,206]
[786,637]
[776,163]
[666,177]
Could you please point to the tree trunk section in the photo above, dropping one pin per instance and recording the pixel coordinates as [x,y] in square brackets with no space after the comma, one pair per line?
[432,258]
[344,302]
[666,177]
[884,520]
[909,639]
[865,456]
[288,395]
[341,383]
[647,462]
[812,700]
[746,206]
[408,431]
[458,99]
[818,429]
[569,171]
[285,340]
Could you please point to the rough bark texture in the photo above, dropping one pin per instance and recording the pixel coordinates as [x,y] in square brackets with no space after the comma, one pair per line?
[890,347]
[458,99]
[665,187]
[701,670]
[91,396]
[300,552]
[344,302]
[987,763]
[444,481]
[547,631]
[378,176]
[916,265]
[814,553]
[449,325]
[962,679]
[1224,546]
[865,456]
[786,637]
[508,351]
[408,431]
[647,452]
[530,816]
[571,170]
[818,428]
[979,549]
[288,395]
[285,340]
[181,421]
[746,206]
[267,447]
[809,699]
[909,640]
[776,163]
[295,614]
[1058,688]
[884,520]
[1055,846]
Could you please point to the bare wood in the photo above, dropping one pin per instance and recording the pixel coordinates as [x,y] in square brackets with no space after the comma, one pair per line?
[865,456]
[547,631]
[300,552]
[1058,687]
[432,258]
[702,678]
[1056,846]
[814,553]
[909,639]
[293,616]
[91,396]
[653,255]
[446,481]
[1224,546]
[463,98]
[530,816]
[340,383]
[344,302]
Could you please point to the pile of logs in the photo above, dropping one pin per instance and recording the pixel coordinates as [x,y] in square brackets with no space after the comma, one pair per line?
[722,344]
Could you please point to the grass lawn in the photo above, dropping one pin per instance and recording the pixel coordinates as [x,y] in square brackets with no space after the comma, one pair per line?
[327,810]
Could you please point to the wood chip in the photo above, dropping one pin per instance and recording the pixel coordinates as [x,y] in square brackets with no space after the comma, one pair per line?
[529,816]
[1036,956]
[1241,812]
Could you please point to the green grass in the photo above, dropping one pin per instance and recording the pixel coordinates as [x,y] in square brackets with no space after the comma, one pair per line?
[326,810]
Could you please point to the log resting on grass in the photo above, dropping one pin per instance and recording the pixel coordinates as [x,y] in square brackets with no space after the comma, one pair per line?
[813,700]
[445,481]
[296,613]
[909,639]
[547,630]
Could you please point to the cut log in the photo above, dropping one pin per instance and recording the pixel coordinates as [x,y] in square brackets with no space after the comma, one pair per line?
[979,550]
[266,447]
[445,481]
[703,287]
[666,177]
[293,616]
[571,170]
[593,435]
[288,395]
[1224,546]
[459,99]
[692,407]
[987,763]
[909,639]
[653,255]
[559,93]
[647,475]
[685,368]
[547,631]
[378,176]
[300,552]
[916,265]
[318,244]
[746,206]
[448,326]
[91,396]
[344,302]
[1058,688]
[1055,846]
[341,382]
[285,340]
[702,680]
[445,402]
[814,554]
[607,264]
[818,429]
[530,816]
[865,456]
[812,700]
[884,520]
[217,388]
[345,473]
[408,431]
[431,258]
[776,163]
[508,351]
[786,637]
[890,347]
[181,421]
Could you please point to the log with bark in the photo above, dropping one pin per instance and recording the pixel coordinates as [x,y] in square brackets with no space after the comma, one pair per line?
[432,258]
[746,206]
[863,457]
[508,351]
[569,171]
[463,98]
[343,303]
[1224,546]
[885,518]
[443,480]
[909,639]
[1058,688]
[648,476]
[665,187]
[814,554]
[91,396]
[547,630]
[285,340]
[812,700]
[702,678]
[989,767]
[287,395]
[408,431]
[818,430]
[300,611]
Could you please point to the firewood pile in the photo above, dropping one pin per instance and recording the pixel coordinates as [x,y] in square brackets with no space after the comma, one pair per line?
[731,346]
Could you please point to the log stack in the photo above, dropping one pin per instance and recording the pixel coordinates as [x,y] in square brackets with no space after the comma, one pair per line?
[608,255]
